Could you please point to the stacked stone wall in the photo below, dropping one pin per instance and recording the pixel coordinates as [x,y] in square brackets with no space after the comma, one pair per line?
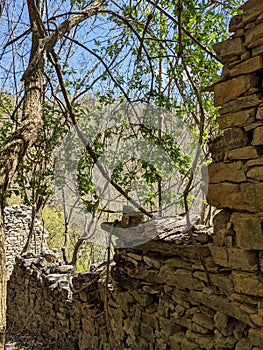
[236,174]
[158,295]
[157,298]
[18,220]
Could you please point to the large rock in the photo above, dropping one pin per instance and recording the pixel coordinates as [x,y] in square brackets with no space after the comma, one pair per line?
[256,173]
[248,152]
[248,230]
[237,119]
[256,336]
[258,137]
[230,47]
[220,172]
[249,66]
[254,37]
[260,113]
[244,196]
[231,89]
[237,259]
[235,138]
[243,260]
[236,23]
[241,103]
[248,283]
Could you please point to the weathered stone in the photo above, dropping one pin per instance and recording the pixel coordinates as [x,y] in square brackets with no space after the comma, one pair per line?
[220,172]
[258,161]
[221,323]
[199,329]
[141,298]
[149,320]
[254,37]
[221,236]
[217,149]
[147,332]
[239,329]
[179,341]
[174,342]
[221,281]
[243,260]
[231,89]
[247,55]
[221,220]
[248,283]
[205,341]
[248,152]
[225,342]
[256,335]
[225,74]
[230,47]
[204,321]
[248,230]
[261,266]
[183,279]
[237,119]
[244,196]
[256,173]
[236,23]
[253,126]
[240,33]
[258,137]
[221,304]
[257,50]
[220,255]
[172,265]
[257,319]
[251,9]
[152,261]
[188,345]
[179,310]
[259,114]
[249,66]
[241,103]
[235,138]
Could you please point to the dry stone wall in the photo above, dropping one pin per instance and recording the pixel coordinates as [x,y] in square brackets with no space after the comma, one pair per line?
[17,228]
[158,295]
[236,174]
[157,298]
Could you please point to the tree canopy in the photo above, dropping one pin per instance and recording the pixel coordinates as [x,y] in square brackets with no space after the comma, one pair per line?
[129,78]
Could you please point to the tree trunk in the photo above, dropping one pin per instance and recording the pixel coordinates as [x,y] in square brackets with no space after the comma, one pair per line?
[12,154]
[10,157]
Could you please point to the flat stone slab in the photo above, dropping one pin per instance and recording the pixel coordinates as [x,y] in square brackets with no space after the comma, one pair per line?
[168,229]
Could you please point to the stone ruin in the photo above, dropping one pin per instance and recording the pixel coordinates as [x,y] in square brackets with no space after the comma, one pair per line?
[236,174]
[17,227]
[157,294]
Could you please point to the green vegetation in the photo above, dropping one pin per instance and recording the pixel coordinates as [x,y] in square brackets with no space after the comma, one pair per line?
[132,80]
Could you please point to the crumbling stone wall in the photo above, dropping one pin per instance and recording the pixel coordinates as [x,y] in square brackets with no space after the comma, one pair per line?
[158,295]
[17,227]
[157,298]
